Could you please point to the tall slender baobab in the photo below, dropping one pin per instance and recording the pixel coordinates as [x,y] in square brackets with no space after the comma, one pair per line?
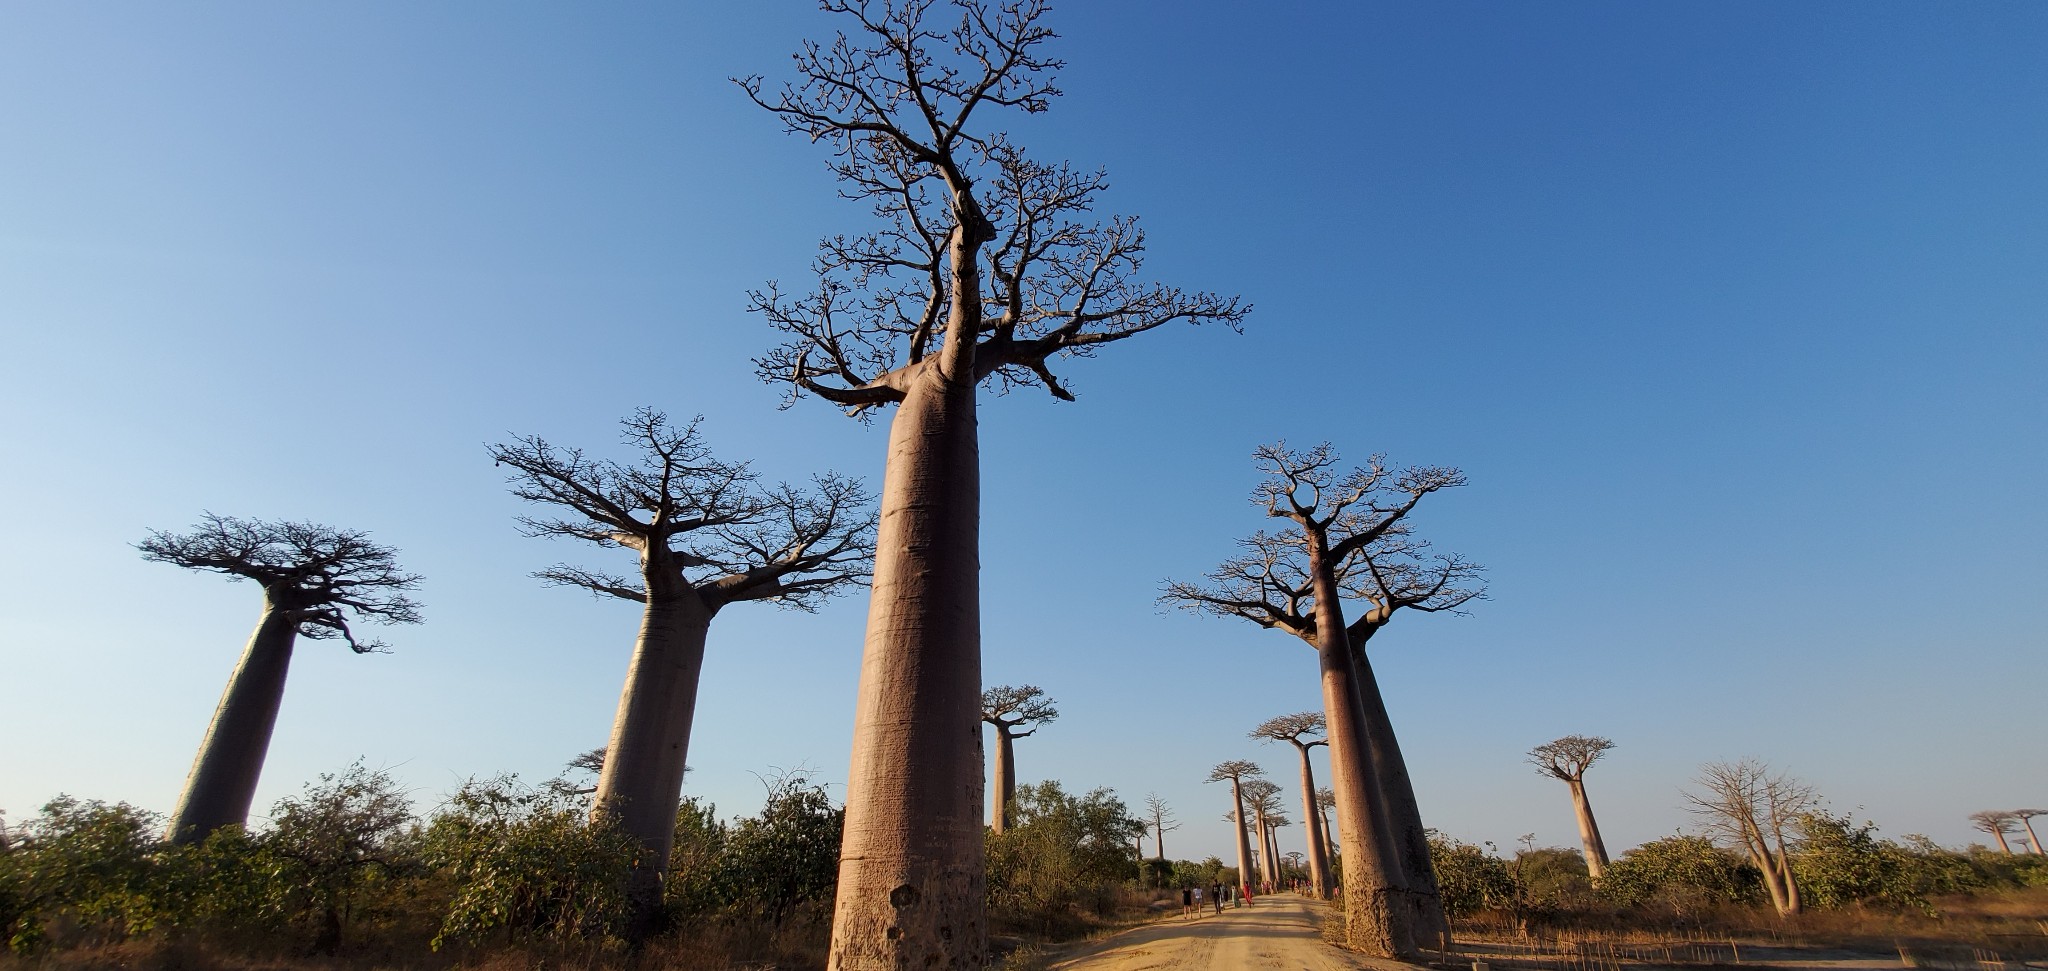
[1567,760]
[1009,708]
[1262,800]
[314,578]
[1325,800]
[1237,772]
[1162,823]
[2026,819]
[1757,808]
[1296,582]
[707,534]
[1997,823]
[1295,730]
[984,268]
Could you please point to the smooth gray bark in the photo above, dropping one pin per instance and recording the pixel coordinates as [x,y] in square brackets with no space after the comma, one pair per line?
[641,785]
[911,865]
[222,785]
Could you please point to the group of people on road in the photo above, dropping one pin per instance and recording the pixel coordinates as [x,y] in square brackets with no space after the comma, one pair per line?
[1193,899]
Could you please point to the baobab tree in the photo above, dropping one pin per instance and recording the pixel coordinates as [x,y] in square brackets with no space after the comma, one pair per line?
[1567,759]
[1262,800]
[707,533]
[315,579]
[985,269]
[1348,540]
[1162,823]
[1237,772]
[1296,730]
[2026,819]
[1010,708]
[1749,804]
[1998,823]
[1325,800]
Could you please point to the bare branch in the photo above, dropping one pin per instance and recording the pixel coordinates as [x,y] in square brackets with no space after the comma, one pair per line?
[321,575]
[1010,706]
[1568,758]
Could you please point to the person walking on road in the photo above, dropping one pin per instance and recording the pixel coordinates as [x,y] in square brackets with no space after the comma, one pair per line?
[1187,901]
[1216,894]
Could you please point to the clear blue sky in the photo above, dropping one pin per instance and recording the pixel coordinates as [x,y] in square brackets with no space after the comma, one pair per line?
[1736,314]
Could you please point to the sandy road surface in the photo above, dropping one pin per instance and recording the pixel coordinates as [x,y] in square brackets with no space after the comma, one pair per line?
[1278,932]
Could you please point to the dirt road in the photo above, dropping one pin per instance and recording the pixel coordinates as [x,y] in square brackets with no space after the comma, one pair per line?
[1279,932]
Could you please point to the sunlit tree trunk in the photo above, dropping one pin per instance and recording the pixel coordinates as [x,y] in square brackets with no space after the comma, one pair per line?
[1404,816]
[911,865]
[1589,831]
[1006,781]
[641,784]
[222,784]
[1245,877]
[1372,921]
[1312,817]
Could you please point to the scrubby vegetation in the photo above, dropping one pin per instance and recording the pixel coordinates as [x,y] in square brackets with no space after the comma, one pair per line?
[500,873]
[1858,888]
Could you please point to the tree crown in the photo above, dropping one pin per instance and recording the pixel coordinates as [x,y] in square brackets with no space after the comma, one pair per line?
[968,221]
[319,574]
[1356,523]
[1291,728]
[710,524]
[1009,706]
[1235,770]
[1568,758]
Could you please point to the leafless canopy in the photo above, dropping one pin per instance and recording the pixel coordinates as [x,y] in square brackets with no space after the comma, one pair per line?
[958,204]
[1235,770]
[1748,800]
[1359,517]
[1260,794]
[730,537]
[1009,707]
[1996,822]
[1326,798]
[1293,728]
[1161,813]
[323,575]
[1569,757]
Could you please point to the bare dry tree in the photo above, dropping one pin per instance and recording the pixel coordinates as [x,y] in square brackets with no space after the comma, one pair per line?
[1010,708]
[1162,823]
[1567,759]
[1237,772]
[315,579]
[1752,806]
[707,534]
[985,267]
[1997,823]
[1295,730]
[2026,820]
[1350,540]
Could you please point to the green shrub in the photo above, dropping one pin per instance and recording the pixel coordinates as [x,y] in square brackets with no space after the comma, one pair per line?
[1683,873]
[1063,853]
[526,863]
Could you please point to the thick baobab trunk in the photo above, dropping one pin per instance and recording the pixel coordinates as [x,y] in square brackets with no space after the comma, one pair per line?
[1006,781]
[2032,840]
[1589,831]
[1244,841]
[1370,921]
[642,781]
[1274,875]
[1416,876]
[1158,839]
[1312,817]
[2002,844]
[911,864]
[1374,921]
[223,780]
